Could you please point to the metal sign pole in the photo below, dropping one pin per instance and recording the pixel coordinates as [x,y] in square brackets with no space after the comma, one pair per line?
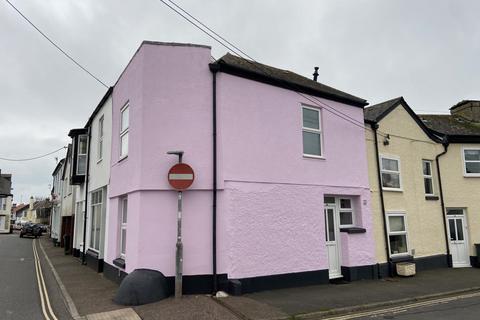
[179,253]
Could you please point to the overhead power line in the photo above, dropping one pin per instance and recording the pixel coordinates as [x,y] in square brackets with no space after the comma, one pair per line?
[56,46]
[238,52]
[33,158]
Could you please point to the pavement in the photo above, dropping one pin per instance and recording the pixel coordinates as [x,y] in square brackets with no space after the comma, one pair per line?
[92,295]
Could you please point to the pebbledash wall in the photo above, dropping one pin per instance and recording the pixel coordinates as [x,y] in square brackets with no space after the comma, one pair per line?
[270,219]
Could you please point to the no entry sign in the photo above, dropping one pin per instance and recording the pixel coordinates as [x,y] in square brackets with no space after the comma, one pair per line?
[181,176]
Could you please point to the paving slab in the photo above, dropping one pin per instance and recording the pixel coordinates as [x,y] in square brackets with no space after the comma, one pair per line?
[301,300]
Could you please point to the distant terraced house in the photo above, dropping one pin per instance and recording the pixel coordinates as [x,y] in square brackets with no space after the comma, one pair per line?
[5,202]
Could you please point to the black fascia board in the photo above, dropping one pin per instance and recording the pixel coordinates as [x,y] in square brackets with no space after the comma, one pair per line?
[464,138]
[77,132]
[415,117]
[99,106]
[239,72]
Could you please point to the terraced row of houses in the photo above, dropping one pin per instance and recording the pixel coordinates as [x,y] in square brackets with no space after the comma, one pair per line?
[296,183]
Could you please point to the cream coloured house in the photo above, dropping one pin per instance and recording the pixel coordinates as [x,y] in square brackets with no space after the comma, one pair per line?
[406,197]
[460,168]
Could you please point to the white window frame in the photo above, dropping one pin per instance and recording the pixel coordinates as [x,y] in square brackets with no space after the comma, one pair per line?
[395,233]
[124,131]
[430,177]
[100,139]
[81,154]
[396,158]
[311,130]
[340,210]
[465,174]
[98,210]
[123,226]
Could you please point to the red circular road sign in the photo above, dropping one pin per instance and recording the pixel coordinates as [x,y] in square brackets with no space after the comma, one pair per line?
[181,176]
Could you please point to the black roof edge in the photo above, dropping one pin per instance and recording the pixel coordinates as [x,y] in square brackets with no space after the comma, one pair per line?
[77,132]
[99,106]
[464,138]
[282,83]
[430,133]
[57,167]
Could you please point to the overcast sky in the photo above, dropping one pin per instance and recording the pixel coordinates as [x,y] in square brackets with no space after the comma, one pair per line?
[426,51]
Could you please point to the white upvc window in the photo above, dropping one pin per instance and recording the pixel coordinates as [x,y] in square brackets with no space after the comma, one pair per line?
[96,219]
[397,234]
[3,203]
[312,132]
[124,126]
[427,166]
[471,162]
[347,216]
[100,139]
[123,226]
[82,155]
[390,172]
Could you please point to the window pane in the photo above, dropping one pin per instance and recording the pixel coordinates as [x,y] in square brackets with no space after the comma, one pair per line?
[82,145]
[472,167]
[311,143]
[428,185]
[396,223]
[124,210]
[427,168]
[459,229]
[329,199]
[331,226]
[100,149]
[123,241]
[472,154]
[391,180]
[124,145]
[454,211]
[389,164]
[398,244]
[100,127]
[451,227]
[345,203]
[346,218]
[92,228]
[125,116]
[81,164]
[311,118]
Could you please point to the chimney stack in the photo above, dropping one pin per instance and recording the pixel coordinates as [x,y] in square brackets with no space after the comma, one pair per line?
[315,74]
[467,109]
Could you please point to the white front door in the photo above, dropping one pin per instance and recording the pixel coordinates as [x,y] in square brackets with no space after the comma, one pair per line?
[458,235]
[2,222]
[333,242]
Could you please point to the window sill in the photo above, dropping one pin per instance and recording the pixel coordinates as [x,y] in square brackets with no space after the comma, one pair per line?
[352,230]
[92,253]
[99,160]
[392,189]
[401,257]
[471,175]
[311,156]
[431,198]
[119,262]
[123,158]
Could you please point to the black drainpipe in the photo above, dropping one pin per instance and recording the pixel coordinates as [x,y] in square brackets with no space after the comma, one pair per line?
[86,197]
[214,69]
[382,201]
[447,240]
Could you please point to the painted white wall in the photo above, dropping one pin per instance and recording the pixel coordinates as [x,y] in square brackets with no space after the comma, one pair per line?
[99,167]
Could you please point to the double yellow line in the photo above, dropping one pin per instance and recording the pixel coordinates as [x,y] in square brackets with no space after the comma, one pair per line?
[42,288]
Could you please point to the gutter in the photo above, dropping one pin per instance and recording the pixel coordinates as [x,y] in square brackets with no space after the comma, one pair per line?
[86,197]
[382,200]
[442,202]
[214,68]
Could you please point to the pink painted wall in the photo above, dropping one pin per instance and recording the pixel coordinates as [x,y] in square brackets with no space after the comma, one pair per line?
[270,206]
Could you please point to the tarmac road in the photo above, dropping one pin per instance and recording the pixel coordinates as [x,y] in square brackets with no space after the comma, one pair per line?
[19,290]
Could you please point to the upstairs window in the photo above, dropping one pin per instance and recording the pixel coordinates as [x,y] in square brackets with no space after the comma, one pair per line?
[124,126]
[82,155]
[390,171]
[471,159]
[100,139]
[428,177]
[312,132]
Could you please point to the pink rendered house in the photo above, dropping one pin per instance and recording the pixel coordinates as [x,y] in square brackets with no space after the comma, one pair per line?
[281,196]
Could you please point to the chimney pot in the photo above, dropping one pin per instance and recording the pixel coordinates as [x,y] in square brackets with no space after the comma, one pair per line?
[315,74]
